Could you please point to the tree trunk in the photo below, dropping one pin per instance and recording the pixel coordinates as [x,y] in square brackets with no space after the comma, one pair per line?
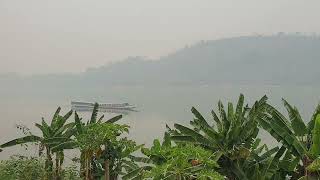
[49,164]
[57,167]
[306,162]
[82,165]
[178,177]
[87,170]
[106,170]
[87,166]
[115,177]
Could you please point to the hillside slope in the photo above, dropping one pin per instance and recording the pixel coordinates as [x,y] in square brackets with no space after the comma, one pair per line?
[273,59]
[285,59]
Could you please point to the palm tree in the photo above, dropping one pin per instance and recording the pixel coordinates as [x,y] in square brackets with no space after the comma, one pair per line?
[53,134]
[233,134]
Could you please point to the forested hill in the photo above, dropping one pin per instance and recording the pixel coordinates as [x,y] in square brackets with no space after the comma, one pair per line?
[280,59]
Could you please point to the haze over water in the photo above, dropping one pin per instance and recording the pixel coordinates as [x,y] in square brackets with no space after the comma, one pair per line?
[55,52]
[157,106]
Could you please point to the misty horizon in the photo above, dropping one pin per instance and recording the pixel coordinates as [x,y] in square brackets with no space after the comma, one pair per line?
[170,89]
[163,56]
[42,37]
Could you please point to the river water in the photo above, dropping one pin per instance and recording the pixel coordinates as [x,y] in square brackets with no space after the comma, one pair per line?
[157,106]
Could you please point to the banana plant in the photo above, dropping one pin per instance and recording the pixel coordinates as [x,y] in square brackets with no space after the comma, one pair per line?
[232,133]
[82,130]
[55,133]
[152,156]
[298,137]
[119,157]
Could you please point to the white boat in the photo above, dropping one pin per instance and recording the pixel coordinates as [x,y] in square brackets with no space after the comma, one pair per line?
[121,106]
[105,110]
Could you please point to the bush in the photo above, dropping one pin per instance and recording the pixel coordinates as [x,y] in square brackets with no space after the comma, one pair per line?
[31,168]
[71,173]
[21,167]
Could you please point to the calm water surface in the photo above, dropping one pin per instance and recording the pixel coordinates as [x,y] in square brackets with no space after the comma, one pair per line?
[157,106]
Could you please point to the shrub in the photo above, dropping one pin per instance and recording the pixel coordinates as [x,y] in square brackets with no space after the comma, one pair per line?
[21,167]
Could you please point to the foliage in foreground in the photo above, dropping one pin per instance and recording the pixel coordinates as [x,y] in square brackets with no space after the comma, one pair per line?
[31,168]
[53,134]
[227,147]
[233,134]
[180,161]
[300,140]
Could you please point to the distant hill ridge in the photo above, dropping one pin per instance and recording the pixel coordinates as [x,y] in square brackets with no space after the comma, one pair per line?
[252,59]
[279,59]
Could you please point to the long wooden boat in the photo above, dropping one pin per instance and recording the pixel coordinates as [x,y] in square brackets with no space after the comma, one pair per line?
[86,105]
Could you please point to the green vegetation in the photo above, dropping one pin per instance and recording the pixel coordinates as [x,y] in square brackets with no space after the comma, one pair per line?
[31,168]
[55,133]
[234,137]
[226,147]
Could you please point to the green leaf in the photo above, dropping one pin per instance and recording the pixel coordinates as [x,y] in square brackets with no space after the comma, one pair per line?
[315,147]
[56,114]
[23,140]
[223,116]
[239,106]
[136,172]
[78,123]
[238,171]
[198,137]
[54,140]
[272,167]
[269,153]
[280,133]
[94,113]
[230,112]
[139,159]
[181,138]
[297,123]
[313,118]
[201,119]
[47,128]
[65,145]
[61,120]
[256,143]
[114,119]
[217,120]
[45,131]
[64,128]
[68,115]
[166,140]
[100,119]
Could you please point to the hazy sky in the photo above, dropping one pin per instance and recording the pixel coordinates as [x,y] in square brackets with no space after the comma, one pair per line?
[45,36]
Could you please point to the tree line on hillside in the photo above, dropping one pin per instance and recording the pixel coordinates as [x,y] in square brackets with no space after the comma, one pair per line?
[212,60]
[225,147]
